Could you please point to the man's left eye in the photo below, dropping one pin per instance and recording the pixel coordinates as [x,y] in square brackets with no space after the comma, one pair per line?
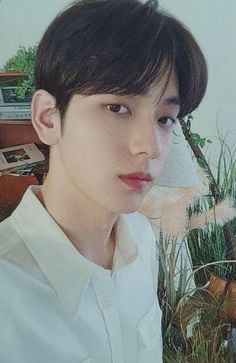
[117,108]
[168,122]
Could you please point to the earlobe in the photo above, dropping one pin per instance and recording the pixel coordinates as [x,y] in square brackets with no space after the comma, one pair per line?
[46,117]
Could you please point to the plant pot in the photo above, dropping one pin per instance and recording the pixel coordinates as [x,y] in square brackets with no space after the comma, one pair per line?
[227,311]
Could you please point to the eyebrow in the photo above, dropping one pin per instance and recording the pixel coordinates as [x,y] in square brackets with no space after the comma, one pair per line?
[174,100]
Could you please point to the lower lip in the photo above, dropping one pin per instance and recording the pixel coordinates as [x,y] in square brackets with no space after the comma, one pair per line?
[134,183]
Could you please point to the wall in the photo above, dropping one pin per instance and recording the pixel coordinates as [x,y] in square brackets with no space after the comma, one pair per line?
[211,21]
[22,22]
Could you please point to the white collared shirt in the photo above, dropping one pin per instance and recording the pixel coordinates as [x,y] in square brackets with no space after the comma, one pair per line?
[56,306]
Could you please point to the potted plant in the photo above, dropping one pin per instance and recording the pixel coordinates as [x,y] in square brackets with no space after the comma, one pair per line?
[215,247]
[187,335]
[23,61]
[182,214]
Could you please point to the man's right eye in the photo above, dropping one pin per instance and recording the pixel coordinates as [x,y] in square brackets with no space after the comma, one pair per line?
[117,108]
[168,122]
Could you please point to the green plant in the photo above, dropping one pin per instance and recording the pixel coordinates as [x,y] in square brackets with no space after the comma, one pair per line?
[199,140]
[183,307]
[212,243]
[23,61]
[172,282]
[206,340]
[192,330]
[214,249]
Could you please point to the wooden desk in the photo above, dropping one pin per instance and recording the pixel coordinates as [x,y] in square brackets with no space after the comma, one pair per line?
[16,133]
[13,187]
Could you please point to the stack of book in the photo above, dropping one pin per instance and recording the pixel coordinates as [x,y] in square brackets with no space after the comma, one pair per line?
[20,159]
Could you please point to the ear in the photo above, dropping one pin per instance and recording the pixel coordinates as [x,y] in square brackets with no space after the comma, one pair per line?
[46,117]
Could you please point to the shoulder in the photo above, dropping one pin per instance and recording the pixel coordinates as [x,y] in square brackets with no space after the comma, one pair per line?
[9,242]
[17,265]
[8,236]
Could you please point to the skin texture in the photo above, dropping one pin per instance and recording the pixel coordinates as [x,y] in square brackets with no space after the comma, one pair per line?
[83,191]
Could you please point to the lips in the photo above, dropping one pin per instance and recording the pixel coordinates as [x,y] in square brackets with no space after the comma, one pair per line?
[138,175]
[137,181]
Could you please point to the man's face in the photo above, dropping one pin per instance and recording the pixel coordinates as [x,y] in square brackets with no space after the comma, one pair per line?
[108,136]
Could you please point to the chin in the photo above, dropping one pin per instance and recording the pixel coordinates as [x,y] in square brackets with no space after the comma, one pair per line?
[127,208]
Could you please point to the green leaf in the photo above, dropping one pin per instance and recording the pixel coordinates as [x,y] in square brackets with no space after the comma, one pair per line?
[23,61]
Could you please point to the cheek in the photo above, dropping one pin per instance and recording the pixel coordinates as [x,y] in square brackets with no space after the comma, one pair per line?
[167,141]
[92,149]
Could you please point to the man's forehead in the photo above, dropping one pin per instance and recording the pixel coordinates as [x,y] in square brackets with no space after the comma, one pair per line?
[166,90]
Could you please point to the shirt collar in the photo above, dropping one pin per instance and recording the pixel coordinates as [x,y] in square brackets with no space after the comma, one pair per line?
[67,271]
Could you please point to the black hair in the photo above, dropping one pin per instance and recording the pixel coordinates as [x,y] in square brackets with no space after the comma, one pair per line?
[118,46]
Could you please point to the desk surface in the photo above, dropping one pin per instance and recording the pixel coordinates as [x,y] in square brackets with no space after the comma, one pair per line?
[12,187]
[17,133]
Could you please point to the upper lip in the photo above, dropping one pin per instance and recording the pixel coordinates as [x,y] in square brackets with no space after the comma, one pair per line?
[138,175]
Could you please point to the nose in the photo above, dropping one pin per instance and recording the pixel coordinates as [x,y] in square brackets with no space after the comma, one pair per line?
[145,137]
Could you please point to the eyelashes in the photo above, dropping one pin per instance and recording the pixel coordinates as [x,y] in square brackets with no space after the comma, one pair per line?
[168,121]
[116,107]
[119,109]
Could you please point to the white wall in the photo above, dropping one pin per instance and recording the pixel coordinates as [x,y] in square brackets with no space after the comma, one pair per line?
[23,22]
[213,23]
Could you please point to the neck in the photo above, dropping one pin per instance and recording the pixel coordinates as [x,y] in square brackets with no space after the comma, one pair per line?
[88,226]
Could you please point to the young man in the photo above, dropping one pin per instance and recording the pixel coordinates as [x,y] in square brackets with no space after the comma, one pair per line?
[78,262]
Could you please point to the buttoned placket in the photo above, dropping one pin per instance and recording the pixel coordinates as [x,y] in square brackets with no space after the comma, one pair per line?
[104,285]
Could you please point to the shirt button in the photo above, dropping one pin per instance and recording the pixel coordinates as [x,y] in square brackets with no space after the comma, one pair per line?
[106,302]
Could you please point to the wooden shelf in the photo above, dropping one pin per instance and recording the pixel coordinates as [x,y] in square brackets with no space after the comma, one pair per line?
[17,132]
[12,188]
[10,75]
[15,122]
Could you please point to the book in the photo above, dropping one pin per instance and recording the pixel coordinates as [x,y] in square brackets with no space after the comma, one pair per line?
[19,157]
